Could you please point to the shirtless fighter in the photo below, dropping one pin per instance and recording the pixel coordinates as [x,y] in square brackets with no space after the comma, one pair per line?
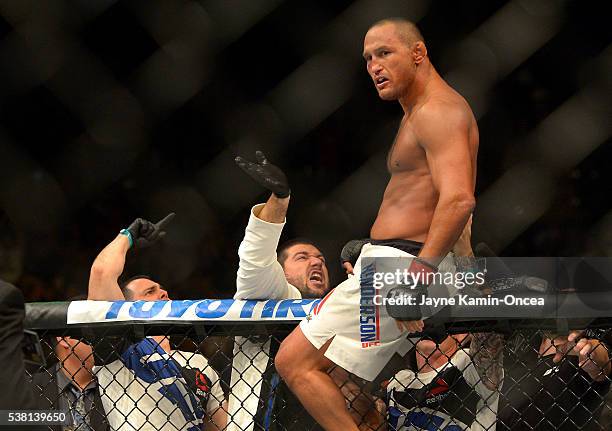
[427,202]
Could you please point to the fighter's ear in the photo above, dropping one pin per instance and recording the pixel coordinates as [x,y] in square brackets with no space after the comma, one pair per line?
[419,52]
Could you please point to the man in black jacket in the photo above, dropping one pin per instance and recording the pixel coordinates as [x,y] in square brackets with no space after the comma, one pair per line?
[16,393]
[70,386]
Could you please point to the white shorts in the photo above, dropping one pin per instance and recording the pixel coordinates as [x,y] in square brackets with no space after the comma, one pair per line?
[364,337]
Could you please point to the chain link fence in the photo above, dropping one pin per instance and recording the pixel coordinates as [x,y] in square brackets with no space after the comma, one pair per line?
[152,374]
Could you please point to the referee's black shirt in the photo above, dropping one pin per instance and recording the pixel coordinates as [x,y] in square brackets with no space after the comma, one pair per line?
[539,394]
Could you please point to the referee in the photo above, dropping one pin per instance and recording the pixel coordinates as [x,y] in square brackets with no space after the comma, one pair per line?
[556,382]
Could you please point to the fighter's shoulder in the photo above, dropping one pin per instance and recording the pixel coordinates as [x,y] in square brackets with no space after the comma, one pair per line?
[446,109]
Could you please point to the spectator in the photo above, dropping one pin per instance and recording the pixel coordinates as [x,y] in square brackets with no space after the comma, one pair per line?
[71,386]
[452,389]
[16,392]
[145,384]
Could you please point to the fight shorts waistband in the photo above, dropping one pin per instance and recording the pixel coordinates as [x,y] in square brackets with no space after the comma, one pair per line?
[411,247]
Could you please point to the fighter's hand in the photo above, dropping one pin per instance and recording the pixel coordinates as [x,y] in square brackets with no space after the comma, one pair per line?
[350,253]
[266,174]
[145,233]
[412,326]
[348,268]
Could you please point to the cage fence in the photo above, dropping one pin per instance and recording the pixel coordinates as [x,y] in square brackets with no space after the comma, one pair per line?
[155,374]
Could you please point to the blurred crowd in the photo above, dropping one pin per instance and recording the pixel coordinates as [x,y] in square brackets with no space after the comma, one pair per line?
[108,112]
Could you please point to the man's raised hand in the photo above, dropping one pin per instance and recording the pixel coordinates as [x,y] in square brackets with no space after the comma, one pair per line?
[145,233]
[266,174]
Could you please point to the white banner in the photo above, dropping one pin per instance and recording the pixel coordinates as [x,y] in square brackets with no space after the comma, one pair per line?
[203,310]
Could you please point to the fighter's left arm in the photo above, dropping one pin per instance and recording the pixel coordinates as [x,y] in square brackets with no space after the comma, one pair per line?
[443,132]
[486,351]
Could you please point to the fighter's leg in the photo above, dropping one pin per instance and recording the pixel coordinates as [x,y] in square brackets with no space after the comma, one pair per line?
[304,369]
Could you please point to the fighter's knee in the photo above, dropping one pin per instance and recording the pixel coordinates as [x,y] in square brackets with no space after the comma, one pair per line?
[282,362]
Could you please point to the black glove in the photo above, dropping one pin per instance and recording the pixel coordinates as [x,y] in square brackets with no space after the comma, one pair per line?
[144,233]
[418,291]
[404,311]
[351,250]
[266,174]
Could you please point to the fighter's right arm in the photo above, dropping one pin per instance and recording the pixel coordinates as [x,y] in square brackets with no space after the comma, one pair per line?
[274,210]
[260,276]
[106,269]
[443,132]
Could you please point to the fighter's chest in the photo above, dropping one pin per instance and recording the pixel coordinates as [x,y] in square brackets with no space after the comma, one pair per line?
[405,154]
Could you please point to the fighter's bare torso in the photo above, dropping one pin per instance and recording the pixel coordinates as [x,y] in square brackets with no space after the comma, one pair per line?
[410,198]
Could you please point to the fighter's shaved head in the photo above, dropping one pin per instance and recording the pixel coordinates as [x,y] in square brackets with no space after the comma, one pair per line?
[407,30]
